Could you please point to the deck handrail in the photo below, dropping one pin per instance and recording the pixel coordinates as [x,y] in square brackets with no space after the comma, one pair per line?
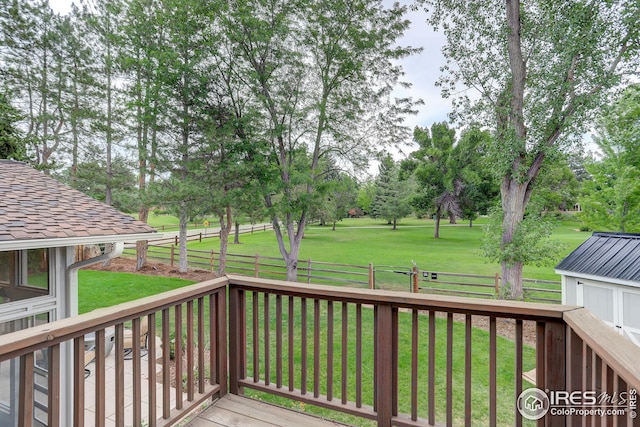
[346,349]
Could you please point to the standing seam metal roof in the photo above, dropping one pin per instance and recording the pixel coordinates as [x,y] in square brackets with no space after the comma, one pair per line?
[612,255]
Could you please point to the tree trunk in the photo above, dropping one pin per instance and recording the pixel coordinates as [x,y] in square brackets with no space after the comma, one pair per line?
[334,226]
[436,230]
[515,196]
[452,218]
[184,264]
[394,223]
[225,229]
[142,246]
[236,236]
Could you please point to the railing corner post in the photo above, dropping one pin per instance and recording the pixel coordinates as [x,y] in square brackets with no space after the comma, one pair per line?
[551,363]
[236,333]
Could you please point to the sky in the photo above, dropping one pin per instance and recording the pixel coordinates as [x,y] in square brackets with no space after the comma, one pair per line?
[421,70]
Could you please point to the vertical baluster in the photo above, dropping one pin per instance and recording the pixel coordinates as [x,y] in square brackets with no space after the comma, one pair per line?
[99,364]
[25,400]
[432,367]
[358,355]
[316,347]
[178,356]
[190,341]
[166,361]
[213,344]
[304,345]
[541,372]
[345,355]
[137,373]
[221,339]
[279,341]
[256,338]
[78,382]
[467,370]
[291,344]
[329,350]
[395,328]
[449,391]
[493,389]
[201,345]
[414,364]
[267,345]
[53,390]
[151,368]
[518,364]
[119,373]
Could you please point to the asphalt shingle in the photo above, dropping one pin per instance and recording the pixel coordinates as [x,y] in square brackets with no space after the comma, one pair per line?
[36,206]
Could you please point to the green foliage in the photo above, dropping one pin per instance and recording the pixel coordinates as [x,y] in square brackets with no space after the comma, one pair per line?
[531,243]
[611,200]
[12,143]
[391,201]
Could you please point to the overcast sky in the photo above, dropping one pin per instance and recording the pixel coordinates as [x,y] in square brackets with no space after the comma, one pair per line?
[421,70]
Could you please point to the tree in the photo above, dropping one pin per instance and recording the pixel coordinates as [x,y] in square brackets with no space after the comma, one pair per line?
[12,143]
[470,166]
[391,201]
[34,71]
[439,190]
[612,196]
[319,70]
[541,70]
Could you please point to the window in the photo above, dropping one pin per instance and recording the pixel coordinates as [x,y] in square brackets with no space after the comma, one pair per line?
[24,275]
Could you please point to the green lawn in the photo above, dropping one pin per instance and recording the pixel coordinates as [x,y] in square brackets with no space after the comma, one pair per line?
[363,241]
[98,289]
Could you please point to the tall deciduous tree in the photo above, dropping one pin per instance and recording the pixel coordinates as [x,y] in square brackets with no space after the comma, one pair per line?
[541,69]
[319,69]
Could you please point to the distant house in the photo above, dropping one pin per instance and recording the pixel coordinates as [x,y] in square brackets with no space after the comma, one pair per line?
[603,275]
[42,222]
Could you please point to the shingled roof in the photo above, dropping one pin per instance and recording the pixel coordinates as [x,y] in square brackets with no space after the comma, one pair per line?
[35,207]
[610,255]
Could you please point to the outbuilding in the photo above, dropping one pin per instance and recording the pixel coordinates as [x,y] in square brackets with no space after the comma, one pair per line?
[603,275]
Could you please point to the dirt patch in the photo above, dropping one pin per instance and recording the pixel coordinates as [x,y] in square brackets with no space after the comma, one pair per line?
[128,265]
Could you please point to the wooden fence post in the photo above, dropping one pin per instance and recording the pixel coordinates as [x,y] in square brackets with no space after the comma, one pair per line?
[309,271]
[371,276]
[415,279]
[176,240]
[257,266]
[200,237]
[497,283]
[173,254]
[212,260]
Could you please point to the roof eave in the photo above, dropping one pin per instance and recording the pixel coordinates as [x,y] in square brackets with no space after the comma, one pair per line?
[598,278]
[12,245]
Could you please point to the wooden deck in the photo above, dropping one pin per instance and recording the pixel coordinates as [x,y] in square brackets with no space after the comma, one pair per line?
[239,411]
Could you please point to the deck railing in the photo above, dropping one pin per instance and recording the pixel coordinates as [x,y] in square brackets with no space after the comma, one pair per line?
[193,318]
[393,358]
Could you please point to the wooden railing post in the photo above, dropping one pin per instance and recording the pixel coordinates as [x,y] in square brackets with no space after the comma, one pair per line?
[551,368]
[237,330]
[384,369]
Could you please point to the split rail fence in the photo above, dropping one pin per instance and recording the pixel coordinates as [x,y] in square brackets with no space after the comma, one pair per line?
[399,278]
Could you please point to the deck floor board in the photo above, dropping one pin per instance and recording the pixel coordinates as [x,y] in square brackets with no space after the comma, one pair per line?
[239,411]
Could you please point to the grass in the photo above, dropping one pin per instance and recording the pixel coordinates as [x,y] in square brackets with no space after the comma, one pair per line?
[480,364]
[98,289]
[363,241]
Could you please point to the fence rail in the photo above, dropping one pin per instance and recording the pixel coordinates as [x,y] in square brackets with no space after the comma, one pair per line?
[401,278]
